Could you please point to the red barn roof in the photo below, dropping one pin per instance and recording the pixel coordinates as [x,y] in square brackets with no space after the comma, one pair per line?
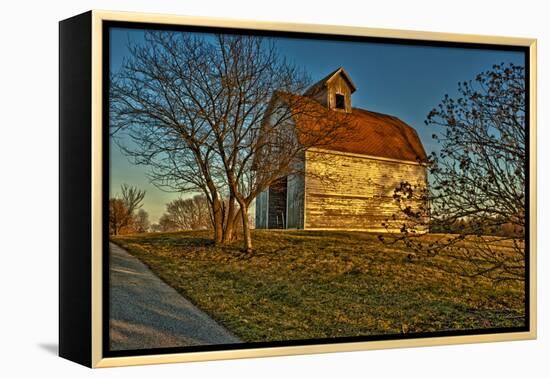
[363,132]
[382,135]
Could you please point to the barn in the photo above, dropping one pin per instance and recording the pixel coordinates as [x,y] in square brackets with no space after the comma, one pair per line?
[348,184]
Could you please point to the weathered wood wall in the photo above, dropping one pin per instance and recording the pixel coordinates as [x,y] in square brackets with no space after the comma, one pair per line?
[346,191]
[339,85]
[321,97]
[327,96]
[295,201]
[261,210]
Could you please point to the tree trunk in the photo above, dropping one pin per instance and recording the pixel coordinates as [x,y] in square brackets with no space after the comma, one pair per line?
[229,222]
[218,220]
[246,229]
[237,219]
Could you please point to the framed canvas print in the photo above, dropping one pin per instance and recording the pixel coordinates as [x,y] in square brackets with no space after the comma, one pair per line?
[235,189]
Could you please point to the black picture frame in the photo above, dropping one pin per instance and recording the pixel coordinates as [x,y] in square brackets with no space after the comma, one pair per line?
[77,334]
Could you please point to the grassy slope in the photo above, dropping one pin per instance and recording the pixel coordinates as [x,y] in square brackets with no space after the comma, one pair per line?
[302,285]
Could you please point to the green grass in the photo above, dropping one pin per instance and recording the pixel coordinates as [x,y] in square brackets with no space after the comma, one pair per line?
[307,284]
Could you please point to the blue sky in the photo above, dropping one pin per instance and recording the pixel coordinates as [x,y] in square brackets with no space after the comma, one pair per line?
[401,80]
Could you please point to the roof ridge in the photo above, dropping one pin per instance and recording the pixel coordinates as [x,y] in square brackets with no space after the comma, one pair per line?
[383,114]
[313,88]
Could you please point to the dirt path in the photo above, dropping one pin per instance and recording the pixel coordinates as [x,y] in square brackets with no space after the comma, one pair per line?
[147,313]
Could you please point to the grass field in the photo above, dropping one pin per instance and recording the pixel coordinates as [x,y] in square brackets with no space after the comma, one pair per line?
[307,284]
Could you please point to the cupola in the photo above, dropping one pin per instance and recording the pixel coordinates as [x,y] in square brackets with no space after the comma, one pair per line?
[333,91]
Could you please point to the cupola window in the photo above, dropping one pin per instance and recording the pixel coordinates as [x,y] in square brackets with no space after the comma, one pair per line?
[340,101]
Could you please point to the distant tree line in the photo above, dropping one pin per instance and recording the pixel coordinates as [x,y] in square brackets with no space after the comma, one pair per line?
[497,227]
[125,213]
[185,214]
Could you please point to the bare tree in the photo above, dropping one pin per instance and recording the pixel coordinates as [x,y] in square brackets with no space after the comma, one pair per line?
[122,208]
[476,195]
[188,214]
[201,109]
[155,103]
[118,215]
[164,225]
[155,227]
[141,221]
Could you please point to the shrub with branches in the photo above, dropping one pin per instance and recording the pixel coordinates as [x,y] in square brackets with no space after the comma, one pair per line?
[475,200]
